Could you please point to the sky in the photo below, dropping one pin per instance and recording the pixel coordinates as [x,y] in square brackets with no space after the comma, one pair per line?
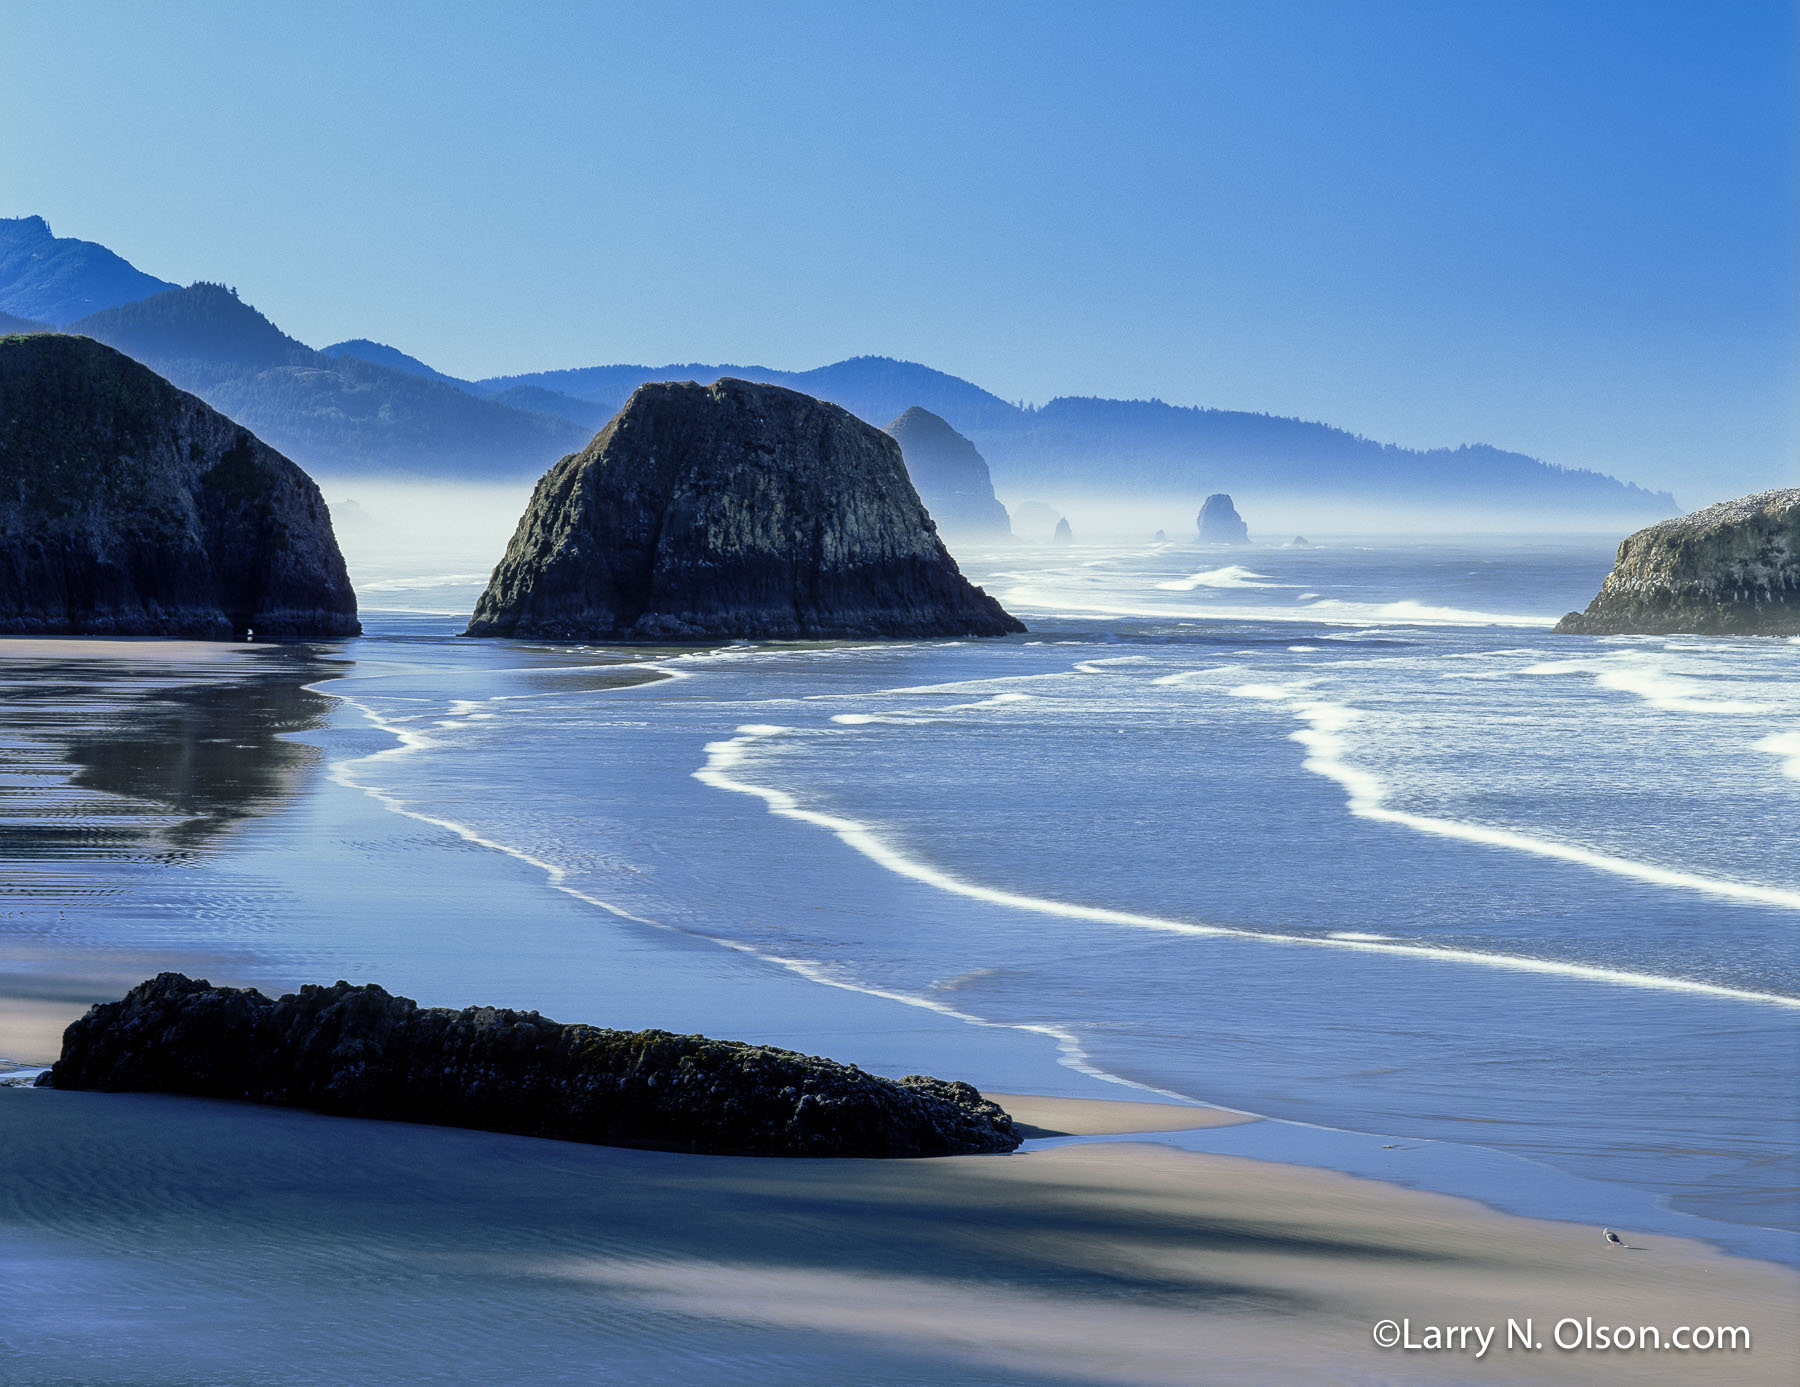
[1567,228]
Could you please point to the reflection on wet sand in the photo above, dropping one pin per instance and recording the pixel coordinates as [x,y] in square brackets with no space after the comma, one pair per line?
[115,766]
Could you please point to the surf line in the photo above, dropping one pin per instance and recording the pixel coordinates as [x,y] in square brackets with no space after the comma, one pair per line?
[1070,1052]
[1325,722]
[726,761]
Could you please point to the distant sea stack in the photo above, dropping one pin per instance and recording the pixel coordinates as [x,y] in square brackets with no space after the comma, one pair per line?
[1062,534]
[1730,570]
[1220,523]
[130,508]
[951,476]
[731,511]
[361,1052]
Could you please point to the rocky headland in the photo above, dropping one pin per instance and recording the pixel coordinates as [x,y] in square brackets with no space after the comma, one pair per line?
[1730,570]
[361,1052]
[951,476]
[128,507]
[1219,522]
[731,511]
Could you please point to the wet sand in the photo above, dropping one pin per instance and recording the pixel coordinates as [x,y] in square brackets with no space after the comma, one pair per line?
[164,1240]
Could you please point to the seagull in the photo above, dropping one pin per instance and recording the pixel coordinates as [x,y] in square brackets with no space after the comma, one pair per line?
[1614,1238]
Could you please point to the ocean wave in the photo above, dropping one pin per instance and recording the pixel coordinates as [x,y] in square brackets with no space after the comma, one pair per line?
[1327,755]
[728,760]
[1326,611]
[1786,745]
[1231,576]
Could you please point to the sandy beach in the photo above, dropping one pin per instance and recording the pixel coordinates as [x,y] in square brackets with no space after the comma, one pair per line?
[168,1240]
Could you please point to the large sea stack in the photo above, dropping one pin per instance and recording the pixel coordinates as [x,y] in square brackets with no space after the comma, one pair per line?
[951,476]
[361,1052]
[1730,570]
[1219,522]
[731,511]
[128,507]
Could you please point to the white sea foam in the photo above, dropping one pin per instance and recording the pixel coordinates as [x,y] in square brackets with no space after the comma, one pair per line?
[1786,745]
[727,767]
[1326,611]
[1653,682]
[1328,755]
[1231,576]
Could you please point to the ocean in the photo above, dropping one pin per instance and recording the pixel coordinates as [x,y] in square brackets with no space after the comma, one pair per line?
[1340,835]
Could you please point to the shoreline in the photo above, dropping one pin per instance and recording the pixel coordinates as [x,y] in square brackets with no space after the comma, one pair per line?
[391,1250]
[741,996]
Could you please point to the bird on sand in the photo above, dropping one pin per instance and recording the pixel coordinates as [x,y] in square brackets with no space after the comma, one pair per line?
[1614,1238]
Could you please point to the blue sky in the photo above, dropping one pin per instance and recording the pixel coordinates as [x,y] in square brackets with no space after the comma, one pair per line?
[1567,228]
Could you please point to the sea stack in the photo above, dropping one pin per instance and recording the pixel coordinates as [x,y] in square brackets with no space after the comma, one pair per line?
[731,511]
[1220,523]
[130,508]
[1730,570]
[951,476]
[1062,534]
[362,1052]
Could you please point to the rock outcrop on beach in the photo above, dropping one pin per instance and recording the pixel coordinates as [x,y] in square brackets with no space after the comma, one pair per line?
[1730,570]
[130,508]
[731,511]
[361,1052]
[1220,523]
[951,476]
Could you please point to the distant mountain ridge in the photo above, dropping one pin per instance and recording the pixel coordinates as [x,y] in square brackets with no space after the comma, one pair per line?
[341,414]
[1074,445]
[52,279]
[364,407]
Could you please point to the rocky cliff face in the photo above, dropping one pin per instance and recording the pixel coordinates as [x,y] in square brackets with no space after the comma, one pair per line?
[130,508]
[731,511]
[1731,569]
[360,1052]
[1220,523]
[951,476]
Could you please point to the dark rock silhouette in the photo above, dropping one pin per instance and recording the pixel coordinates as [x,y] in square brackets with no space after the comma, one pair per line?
[1730,570]
[1299,542]
[130,508]
[1160,537]
[1220,523]
[951,476]
[731,511]
[1063,534]
[361,1052]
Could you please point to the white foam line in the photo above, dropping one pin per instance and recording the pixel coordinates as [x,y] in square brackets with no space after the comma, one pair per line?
[1325,612]
[724,758]
[1327,756]
[1786,745]
[1070,1053]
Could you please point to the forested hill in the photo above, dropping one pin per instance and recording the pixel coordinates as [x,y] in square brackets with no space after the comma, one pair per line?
[330,414]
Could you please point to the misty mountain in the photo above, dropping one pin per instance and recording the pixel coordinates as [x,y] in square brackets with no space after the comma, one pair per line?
[10,324]
[874,388]
[339,415]
[362,407]
[55,279]
[380,354]
[1076,447]
[531,398]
